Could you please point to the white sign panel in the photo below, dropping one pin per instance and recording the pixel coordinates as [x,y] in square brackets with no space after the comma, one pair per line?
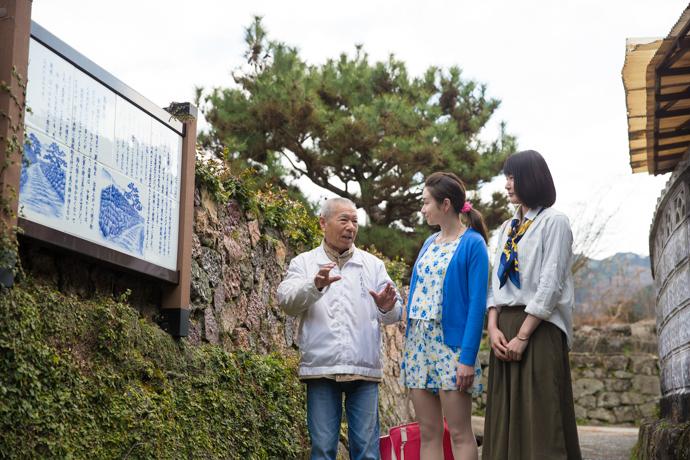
[96,166]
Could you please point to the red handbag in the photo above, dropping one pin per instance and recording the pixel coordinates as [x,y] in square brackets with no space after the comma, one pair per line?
[403,443]
[385,448]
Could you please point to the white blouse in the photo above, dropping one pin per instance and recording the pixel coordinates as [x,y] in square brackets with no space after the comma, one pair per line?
[545,259]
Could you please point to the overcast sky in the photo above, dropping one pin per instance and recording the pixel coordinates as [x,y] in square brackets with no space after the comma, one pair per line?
[555,65]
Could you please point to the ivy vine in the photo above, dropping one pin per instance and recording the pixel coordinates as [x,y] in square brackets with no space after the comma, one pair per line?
[14,145]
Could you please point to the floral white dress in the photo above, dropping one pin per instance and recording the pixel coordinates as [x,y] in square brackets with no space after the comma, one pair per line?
[429,363]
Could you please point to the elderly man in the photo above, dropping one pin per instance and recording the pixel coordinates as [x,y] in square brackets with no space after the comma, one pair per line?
[341,294]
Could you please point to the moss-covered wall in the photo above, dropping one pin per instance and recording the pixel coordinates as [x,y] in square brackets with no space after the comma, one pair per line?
[243,239]
[663,440]
[93,379]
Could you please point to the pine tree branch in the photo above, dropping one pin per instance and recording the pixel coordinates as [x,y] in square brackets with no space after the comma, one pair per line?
[317,177]
[294,166]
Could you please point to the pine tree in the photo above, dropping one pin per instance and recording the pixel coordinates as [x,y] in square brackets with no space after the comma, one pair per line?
[365,131]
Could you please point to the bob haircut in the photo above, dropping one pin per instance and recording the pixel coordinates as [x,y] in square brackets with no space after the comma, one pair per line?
[532,181]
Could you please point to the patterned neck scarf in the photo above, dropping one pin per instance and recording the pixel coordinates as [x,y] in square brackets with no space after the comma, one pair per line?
[339,259]
[508,268]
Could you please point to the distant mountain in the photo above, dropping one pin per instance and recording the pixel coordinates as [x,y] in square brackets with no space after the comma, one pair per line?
[619,286]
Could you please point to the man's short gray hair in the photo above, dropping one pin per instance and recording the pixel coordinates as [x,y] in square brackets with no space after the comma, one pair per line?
[329,205]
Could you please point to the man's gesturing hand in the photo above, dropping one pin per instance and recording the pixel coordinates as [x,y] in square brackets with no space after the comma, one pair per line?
[385,299]
[323,278]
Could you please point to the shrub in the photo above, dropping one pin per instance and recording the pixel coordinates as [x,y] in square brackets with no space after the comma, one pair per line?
[397,268]
[271,205]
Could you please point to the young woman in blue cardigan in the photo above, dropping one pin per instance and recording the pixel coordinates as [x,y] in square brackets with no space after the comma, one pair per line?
[445,315]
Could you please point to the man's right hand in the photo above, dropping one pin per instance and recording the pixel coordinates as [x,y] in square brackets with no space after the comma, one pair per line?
[323,278]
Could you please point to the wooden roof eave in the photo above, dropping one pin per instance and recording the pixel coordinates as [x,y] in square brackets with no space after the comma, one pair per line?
[639,53]
[656,76]
[671,50]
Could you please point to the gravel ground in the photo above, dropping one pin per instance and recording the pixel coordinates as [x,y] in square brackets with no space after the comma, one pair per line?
[596,442]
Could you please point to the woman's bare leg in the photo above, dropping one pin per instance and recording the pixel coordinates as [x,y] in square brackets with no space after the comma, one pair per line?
[427,407]
[457,408]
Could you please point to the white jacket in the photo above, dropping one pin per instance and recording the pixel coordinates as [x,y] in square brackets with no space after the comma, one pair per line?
[339,329]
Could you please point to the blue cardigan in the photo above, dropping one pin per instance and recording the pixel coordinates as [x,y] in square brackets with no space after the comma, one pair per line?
[464,294]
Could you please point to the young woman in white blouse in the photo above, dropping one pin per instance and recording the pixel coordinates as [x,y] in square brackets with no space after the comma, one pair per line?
[530,412]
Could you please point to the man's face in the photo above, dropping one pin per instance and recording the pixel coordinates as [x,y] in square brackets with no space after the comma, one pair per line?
[340,229]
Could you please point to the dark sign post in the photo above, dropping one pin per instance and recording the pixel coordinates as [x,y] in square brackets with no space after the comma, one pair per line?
[105,172]
[176,300]
[15,23]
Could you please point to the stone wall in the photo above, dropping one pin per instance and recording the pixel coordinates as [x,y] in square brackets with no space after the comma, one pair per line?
[86,278]
[236,269]
[663,440]
[639,337]
[614,388]
[394,403]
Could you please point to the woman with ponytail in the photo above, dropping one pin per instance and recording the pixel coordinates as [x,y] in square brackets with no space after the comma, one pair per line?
[445,316]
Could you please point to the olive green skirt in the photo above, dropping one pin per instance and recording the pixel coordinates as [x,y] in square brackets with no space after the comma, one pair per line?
[529,411]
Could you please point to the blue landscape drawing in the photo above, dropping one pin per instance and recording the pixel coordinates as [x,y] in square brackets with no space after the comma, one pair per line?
[119,217]
[42,180]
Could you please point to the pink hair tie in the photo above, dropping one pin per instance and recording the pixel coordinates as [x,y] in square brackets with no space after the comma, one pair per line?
[467,207]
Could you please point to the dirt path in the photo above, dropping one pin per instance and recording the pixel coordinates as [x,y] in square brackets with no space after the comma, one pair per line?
[596,442]
[606,443]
